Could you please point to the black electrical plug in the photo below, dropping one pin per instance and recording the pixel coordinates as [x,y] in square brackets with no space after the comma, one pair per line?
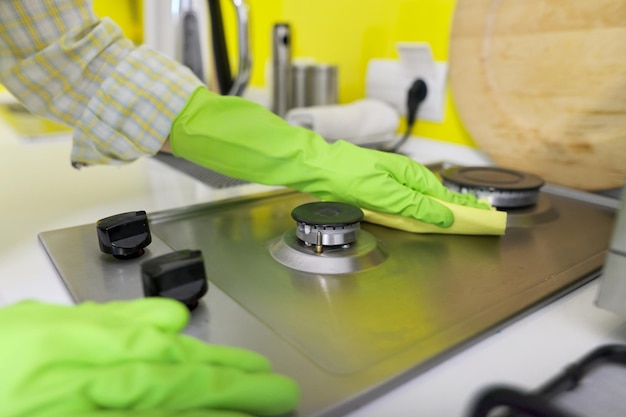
[415,97]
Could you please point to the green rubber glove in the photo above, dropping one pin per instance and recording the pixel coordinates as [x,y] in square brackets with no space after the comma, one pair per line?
[244,140]
[127,359]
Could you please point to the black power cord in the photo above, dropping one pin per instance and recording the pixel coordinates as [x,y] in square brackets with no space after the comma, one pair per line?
[414,98]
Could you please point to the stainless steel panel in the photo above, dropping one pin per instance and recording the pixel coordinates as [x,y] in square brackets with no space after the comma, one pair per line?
[348,337]
[612,289]
[618,242]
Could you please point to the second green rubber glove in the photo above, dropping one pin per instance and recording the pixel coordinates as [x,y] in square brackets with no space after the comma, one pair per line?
[128,359]
[244,140]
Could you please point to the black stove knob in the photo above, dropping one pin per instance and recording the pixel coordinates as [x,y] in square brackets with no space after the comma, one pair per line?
[124,235]
[179,275]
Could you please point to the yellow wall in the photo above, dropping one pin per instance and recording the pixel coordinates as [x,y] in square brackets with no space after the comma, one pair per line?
[344,32]
[126,13]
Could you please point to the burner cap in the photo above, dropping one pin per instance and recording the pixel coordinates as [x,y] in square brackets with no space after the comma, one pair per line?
[503,188]
[327,223]
[327,213]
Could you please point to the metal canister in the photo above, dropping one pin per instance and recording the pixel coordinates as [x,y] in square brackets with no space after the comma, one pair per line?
[314,84]
[324,81]
[302,88]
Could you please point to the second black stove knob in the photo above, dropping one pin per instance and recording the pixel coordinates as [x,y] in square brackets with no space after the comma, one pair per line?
[178,275]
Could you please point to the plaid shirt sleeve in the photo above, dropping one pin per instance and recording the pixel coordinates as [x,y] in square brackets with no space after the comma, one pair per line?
[64,63]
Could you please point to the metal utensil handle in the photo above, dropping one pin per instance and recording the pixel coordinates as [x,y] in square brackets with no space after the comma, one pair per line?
[244,69]
[192,56]
[193,53]
[281,68]
[222,74]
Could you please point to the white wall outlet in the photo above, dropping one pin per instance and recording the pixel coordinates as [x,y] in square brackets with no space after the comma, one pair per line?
[389,80]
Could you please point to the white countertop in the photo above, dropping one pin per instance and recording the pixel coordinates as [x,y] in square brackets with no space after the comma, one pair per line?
[40,191]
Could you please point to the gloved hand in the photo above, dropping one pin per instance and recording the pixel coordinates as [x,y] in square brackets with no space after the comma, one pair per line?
[243,140]
[127,359]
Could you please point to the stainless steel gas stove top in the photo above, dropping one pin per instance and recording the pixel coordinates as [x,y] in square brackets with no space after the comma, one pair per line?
[355,321]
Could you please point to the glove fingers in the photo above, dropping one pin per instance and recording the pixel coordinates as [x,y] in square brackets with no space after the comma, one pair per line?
[227,356]
[407,202]
[421,179]
[102,348]
[96,335]
[191,386]
[139,341]
[443,193]
[165,314]
[426,209]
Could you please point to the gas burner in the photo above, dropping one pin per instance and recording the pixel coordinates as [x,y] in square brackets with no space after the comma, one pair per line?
[503,188]
[327,224]
[324,240]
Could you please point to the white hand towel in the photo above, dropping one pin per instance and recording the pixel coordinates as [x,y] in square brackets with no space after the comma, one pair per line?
[363,122]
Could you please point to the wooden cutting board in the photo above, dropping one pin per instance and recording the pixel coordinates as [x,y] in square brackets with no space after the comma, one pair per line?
[540,85]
